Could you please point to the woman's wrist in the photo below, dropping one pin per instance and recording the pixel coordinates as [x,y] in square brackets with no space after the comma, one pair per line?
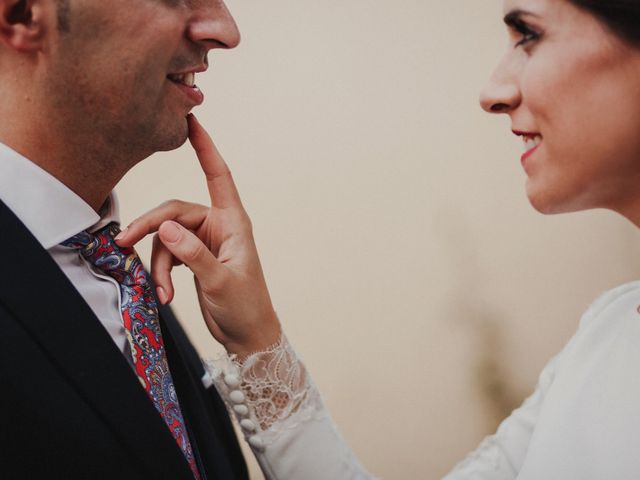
[265,337]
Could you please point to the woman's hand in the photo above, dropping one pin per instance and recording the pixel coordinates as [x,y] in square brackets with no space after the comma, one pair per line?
[217,244]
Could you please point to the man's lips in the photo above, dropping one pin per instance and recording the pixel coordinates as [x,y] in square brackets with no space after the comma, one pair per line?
[187,78]
[194,94]
[187,75]
[186,82]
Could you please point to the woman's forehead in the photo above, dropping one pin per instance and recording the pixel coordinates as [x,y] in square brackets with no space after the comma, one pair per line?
[533,6]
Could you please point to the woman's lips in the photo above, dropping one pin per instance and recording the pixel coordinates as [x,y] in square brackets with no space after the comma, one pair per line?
[528,153]
[532,140]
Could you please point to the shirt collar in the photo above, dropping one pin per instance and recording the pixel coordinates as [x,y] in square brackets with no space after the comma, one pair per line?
[48,208]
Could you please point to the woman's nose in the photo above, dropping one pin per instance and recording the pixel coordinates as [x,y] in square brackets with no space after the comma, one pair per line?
[502,92]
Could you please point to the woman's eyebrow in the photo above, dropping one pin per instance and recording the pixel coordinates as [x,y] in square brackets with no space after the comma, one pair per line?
[513,17]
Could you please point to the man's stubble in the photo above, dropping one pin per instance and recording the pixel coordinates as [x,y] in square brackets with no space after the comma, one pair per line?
[101,107]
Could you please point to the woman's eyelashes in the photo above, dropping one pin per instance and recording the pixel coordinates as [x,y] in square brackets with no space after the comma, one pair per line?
[528,34]
[525,32]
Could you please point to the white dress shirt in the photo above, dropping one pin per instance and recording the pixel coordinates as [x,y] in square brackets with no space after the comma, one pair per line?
[53,213]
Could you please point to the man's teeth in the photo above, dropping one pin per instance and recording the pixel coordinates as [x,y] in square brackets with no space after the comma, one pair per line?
[188,79]
[531,142]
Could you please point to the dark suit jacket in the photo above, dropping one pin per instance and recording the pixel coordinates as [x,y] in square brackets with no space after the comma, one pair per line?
[70,404]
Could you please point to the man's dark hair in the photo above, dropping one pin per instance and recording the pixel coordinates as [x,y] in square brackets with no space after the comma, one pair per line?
[621,16]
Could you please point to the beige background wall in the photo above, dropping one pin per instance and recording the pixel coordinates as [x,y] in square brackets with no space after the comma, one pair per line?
[404,260]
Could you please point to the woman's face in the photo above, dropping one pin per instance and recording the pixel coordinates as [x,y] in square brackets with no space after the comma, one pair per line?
[572,90]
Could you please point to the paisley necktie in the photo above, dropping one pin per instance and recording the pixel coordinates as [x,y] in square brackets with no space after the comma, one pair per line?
[142,328]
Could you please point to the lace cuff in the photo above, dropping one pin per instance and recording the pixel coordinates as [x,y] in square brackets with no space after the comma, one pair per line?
[268,392]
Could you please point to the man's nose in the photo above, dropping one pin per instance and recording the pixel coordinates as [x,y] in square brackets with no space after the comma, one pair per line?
[213,26]
[502,92]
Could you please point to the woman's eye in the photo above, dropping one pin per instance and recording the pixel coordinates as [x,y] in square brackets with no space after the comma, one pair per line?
[527,33]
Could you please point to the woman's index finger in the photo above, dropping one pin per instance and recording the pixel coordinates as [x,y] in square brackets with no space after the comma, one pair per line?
[222,189]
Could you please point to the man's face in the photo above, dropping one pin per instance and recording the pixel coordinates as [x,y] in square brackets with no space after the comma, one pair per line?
[114,73]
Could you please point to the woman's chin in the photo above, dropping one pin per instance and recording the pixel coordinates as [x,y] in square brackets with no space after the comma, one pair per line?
[542,207]
[537,198]
[548,202]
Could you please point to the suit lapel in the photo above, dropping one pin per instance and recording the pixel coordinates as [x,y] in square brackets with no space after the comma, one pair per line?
[39,295]
[214,438]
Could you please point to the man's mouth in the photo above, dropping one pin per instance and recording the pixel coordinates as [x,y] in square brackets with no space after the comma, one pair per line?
[186,83]
[188,79]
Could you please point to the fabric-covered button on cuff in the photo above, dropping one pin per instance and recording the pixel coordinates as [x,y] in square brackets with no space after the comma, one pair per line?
[236,396]
[256,442]
[232,380]
[241,409]
[247,425]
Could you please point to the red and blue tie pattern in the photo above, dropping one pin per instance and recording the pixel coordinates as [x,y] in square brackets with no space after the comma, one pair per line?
[140,317]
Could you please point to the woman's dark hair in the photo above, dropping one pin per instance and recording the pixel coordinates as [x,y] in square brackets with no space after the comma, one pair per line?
[621,16]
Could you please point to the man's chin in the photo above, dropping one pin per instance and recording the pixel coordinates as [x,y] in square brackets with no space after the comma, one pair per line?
[172,145]
[172,138]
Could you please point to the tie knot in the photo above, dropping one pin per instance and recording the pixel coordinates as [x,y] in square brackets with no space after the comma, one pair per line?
[100,249]
[90,241]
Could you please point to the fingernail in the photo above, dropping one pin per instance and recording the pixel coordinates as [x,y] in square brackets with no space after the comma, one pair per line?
[162,295]
[171,232]
[121,235]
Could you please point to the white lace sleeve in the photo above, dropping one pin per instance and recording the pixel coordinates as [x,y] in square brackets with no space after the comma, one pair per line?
[266,389]
[282,416]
